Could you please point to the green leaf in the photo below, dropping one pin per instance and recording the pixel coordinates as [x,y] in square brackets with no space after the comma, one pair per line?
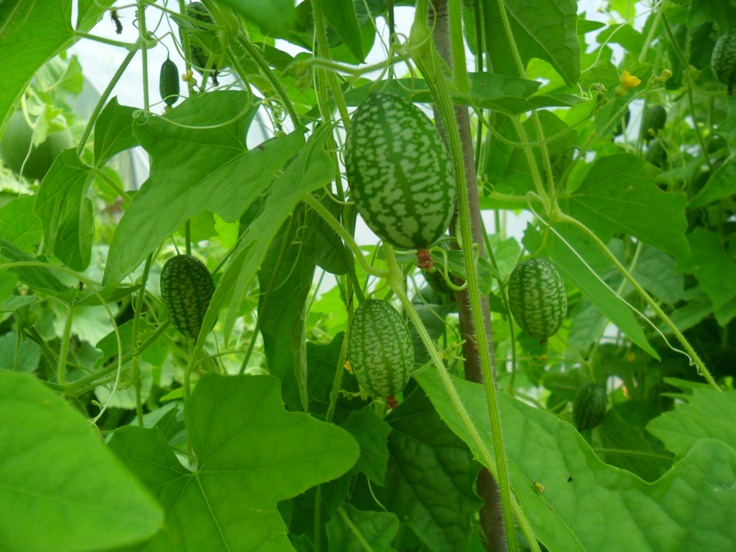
[20,23]
[66,210]
[65,488]
[542,29]
[21,357]
[312,169]
[195,170]
[275,16]
[89,12]
[707,414]
[285,278]
[720,185]
[19,225]
[655,271]
[714,268]
[41,279]
[422,450]
[508,167]
[583,506]
[627,445]
[619,195]
[114,131]
[341,15]
[353,529]
[574,271]
[250,453]
[371,432]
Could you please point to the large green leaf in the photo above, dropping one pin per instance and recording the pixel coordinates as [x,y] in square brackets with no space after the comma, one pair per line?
[714,268]
[312,169]
[543,29]
[619,195]
[66,210]
[200,163]
[707,414]
[720,185]
[31,33]
[353,529]
[250,454]
[285,277]
[19,225]
[113,131]
[274,16]
[343,18]
[371,432]
[588,505]
[60,488]
[423,450]
[42,279]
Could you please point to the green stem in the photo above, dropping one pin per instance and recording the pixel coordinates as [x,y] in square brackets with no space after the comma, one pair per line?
[425,57]
[324,51]
[135,363]
[354,530]
[103,99]
[459,64]
[103,40]
[695,358]
[478,442]
[689,88]
[64,350]
[141,17]
[345,235]
[83,385]
[111,184]
[271,78]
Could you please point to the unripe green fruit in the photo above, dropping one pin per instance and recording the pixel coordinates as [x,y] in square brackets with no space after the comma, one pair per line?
[186,291]
[589,406]
[400,173]
[537,298]
[723,59]
[380,349]
[17,140]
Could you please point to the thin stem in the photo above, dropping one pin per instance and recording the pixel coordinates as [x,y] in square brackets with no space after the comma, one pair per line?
[103,99]
[271,78]
[424,55]
[141,16]
[64,350]
[345,235]
[695,358]
[135,363]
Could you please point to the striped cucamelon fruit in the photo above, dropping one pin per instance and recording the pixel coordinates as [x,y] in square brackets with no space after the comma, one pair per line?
[537,298]
[186,290]
[589,406]
[400,174]
[380,349]
[168,83]
[723,59]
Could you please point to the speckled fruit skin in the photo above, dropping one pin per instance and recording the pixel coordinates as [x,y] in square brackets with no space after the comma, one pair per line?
[380,349]
[723,59]
[589,406]
[168,84]
[537,298]
[186,291]
[400,174]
